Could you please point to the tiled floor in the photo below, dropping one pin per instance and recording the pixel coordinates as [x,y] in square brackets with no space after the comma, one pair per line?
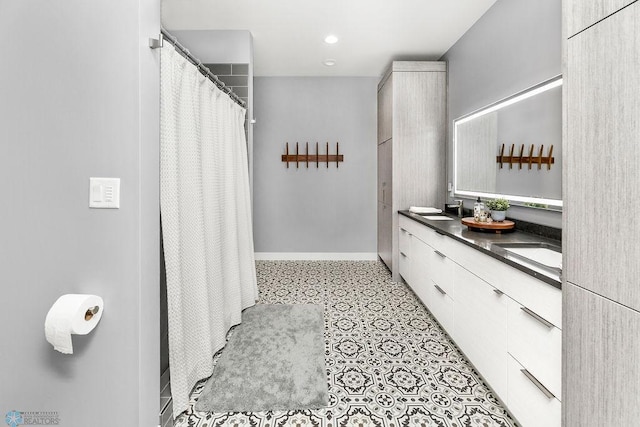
[388,361]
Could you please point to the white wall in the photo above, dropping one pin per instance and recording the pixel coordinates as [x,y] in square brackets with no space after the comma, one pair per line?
[79,96]
[315,210]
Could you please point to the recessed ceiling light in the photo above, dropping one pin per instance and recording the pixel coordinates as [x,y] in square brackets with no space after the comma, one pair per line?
[331,39]
[329,62]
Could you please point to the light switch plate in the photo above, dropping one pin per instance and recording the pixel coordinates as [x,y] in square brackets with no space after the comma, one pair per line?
[104,193]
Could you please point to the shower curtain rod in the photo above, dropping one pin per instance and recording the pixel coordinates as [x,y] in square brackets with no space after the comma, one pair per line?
[204,70]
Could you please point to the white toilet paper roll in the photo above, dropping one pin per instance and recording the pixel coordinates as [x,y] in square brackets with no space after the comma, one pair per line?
[75,314]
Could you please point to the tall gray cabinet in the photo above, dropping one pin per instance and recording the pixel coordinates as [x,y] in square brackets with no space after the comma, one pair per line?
[411,146]
[601,290]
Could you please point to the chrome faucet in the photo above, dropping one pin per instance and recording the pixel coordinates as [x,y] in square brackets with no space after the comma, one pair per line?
[460,205]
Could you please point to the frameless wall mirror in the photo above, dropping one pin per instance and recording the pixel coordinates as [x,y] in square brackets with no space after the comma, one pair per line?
[513,148]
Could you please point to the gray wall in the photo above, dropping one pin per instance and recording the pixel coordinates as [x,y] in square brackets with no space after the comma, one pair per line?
[515,45]
[315,210]
[93,111]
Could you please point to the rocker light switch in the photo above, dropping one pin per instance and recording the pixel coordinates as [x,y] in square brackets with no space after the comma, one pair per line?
[104,193]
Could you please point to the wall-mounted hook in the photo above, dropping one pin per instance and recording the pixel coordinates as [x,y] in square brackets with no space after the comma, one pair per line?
[511,157]
[520,157]
[540,157]
[317,157]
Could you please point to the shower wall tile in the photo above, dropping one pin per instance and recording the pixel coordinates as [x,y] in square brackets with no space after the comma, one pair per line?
[236,76]
[219,69]
[240,69]
[241,91]
[234,80]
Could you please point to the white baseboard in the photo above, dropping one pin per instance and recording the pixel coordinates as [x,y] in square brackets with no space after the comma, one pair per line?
[316,256]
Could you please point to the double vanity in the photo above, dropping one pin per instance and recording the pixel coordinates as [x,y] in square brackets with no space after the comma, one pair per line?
[498,296]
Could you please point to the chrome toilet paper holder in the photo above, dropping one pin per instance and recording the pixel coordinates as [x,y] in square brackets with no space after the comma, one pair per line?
[91,311]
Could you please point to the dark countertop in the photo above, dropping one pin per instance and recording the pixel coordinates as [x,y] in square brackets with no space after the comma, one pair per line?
[482,241]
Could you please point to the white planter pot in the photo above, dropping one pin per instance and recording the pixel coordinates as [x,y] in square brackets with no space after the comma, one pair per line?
[498,215]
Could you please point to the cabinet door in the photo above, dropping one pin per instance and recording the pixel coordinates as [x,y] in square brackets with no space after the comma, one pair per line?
[441,270]
[419,133]
[384,233]
[601,361]
[406,254]
[441,307]
[536,344]
[582,13]
[420,277]
[385,109]
[528,403]
[480,313]
[385,172]
[602,152]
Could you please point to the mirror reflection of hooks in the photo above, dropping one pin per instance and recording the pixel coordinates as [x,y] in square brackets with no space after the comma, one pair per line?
[520,129]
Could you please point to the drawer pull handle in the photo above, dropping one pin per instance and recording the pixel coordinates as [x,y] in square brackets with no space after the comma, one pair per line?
[440,254]
[403,254]
[440,289]
[498,292]
[405,231]
[545,322]
[538,384]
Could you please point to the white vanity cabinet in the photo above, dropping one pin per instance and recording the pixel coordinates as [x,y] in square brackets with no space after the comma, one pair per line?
[534,371]
[507,322]
[481,327]
[430,273]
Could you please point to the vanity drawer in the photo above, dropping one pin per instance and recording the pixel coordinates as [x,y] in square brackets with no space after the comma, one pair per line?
[420,275]
[480,322]
[411,227]
[441,271]
[438,241]
[441,306]
[404,266]
[530,406]
[541,297]
[536,344]
[404,241]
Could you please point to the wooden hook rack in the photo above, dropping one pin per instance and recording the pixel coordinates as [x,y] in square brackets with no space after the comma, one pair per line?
[526,160]
[316,158]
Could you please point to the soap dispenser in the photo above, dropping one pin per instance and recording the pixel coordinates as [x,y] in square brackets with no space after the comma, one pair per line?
[478,211]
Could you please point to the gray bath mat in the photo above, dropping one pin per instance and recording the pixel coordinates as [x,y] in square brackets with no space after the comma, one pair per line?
[274,360]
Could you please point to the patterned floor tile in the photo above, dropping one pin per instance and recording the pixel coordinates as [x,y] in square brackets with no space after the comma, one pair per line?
[389,363]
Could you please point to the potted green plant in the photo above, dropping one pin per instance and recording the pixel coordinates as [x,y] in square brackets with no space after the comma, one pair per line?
[498,208]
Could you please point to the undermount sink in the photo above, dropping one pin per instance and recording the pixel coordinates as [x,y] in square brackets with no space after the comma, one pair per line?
[437,217]
[542,257]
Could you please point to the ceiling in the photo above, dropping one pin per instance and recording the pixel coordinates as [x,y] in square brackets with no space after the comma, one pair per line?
[288,35]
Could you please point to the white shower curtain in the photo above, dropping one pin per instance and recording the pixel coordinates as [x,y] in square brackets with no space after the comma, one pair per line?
[206,220]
